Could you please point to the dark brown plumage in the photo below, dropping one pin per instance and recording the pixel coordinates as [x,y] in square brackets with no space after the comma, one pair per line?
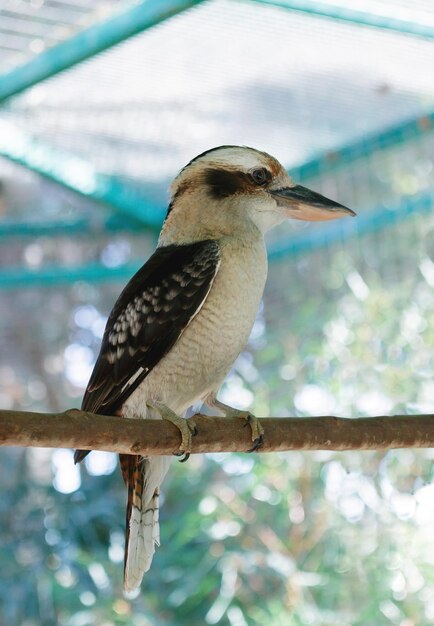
[146,321]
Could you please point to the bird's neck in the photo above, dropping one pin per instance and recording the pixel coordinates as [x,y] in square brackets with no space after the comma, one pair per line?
[187,222]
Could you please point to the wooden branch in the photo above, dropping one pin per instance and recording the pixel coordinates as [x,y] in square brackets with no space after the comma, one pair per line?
[79,429]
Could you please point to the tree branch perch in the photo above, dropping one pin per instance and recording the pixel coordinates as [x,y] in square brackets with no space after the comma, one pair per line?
[79,429]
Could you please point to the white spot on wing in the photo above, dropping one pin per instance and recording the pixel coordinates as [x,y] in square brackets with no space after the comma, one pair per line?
[133,378]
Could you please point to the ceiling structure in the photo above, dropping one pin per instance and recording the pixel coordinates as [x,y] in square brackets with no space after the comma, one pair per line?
[111,98]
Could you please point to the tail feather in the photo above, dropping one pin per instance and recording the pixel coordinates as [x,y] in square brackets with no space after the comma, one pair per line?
[143,476]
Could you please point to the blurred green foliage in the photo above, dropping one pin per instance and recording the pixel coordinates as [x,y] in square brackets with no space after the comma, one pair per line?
[302,538]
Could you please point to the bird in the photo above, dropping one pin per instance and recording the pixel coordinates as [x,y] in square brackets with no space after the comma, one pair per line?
[182,320]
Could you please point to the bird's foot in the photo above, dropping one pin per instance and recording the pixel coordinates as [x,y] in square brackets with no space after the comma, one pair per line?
[257,431]
[186,427]
[251,420]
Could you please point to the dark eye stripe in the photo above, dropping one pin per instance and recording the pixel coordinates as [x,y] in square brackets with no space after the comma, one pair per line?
[224,183]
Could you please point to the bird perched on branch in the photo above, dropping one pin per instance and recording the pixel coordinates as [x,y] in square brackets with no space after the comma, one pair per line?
[182,320]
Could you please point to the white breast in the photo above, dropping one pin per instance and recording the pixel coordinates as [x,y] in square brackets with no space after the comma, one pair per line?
[205,352]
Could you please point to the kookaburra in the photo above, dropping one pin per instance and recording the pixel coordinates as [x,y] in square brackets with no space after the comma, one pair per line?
[182,320]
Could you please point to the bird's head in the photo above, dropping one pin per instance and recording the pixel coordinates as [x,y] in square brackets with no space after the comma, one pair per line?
[229,189]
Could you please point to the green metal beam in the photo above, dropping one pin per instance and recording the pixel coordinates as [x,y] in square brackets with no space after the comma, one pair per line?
[90,42]
[79,175]
[55,276]
[82,226]
[315,238]
[341,157]
[354,16]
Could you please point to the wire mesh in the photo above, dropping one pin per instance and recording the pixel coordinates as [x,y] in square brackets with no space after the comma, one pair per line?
[139,114]
[29,28]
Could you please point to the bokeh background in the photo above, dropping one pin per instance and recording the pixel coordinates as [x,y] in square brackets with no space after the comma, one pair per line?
[101,103]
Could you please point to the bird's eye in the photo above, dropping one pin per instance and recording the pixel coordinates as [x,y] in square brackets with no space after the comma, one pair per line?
[260,176]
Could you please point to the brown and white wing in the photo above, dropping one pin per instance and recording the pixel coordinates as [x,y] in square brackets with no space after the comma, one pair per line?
[146,321]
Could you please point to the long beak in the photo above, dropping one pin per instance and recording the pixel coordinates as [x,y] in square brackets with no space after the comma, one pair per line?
[301,203]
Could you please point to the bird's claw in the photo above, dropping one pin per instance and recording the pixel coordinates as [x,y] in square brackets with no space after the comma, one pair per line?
[186,427]
[193,432]
[251,420]
[257,443]
[188,430]
[257,431]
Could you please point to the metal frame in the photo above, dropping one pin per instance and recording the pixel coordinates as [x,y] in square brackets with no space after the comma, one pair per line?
[138,211]
[82,226]
[360,148]
[55,276]
[353,16]
[89,42]
[77,174]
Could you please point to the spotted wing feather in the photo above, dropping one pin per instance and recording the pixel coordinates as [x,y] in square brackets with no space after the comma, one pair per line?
[146,321]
